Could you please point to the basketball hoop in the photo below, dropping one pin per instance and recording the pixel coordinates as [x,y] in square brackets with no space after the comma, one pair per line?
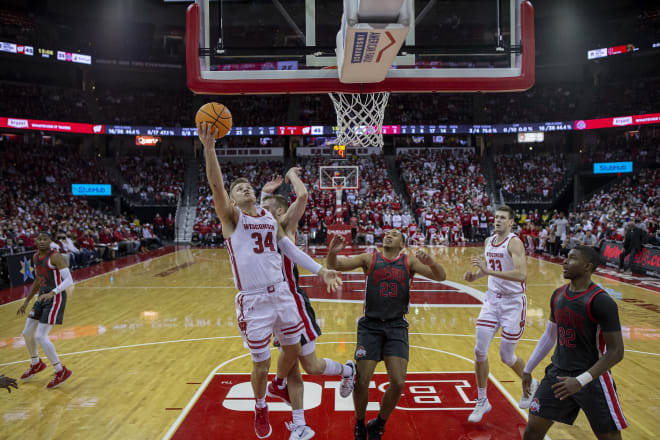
[360,118]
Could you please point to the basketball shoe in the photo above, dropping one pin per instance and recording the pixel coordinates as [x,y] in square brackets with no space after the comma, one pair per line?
[483,406]
[59,378]
[348,382]
[34,369]
[301,432]
[261,426]
[375,431]
[526,401]
[360,432]
[280,393]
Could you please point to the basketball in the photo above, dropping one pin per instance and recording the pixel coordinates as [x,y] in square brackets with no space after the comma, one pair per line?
[217,115]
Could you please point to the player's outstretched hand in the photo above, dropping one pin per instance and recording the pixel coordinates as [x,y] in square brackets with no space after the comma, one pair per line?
[526,384]
[7,382]
[469,276]
[425,258]
[566,387]
[337,244]
[480,263]
[207,134]
[293,171]
[272,186]
[331,278]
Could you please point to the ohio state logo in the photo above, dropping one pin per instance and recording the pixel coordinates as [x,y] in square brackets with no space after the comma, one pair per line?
[535,406]
[360,352]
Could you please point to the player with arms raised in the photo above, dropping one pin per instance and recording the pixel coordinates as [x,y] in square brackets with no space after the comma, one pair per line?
[264,304]
[383,330]
[584,325]
[505,305]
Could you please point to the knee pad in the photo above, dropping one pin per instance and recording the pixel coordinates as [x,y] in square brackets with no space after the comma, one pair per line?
[261,356]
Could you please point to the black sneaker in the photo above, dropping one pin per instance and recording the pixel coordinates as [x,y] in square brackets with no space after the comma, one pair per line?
[360,432]
[375,432]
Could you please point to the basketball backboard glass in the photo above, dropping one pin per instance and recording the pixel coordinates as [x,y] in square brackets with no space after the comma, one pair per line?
[286,46]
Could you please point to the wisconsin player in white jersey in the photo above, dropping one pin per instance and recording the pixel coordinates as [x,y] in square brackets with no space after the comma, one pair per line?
[264,304]
[505,305]
[290,389]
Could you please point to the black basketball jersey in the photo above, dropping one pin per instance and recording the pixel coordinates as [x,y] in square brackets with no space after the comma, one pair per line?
[581,318]
[49,275]
[387,293]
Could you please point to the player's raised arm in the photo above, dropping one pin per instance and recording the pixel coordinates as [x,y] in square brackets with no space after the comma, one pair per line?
[270,187]
[517,250]
[423,264]
[227,213]
[297,208]
[331,278]
[345,264]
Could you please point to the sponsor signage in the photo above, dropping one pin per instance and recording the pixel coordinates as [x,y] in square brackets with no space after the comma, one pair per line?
[535,136]
[646,261]
[68,127]
[609,51]
[21,268]
[619,121]
[86,189]
[147,140]
[613,167]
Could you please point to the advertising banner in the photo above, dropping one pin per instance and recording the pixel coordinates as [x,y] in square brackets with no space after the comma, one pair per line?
[646,261]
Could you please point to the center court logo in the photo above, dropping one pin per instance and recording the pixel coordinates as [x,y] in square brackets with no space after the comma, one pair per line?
[18,123]
[427,397]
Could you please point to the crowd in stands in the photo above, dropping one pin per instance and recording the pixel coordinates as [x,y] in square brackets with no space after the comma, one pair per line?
[530,177]
[640,146]
[148,106]
[627,98]
[47,103]
[538,104]
[151,179]
[448,194]
[35,195]
[431,108]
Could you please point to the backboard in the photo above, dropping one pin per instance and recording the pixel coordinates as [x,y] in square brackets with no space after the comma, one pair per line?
[339,177]
[286,46]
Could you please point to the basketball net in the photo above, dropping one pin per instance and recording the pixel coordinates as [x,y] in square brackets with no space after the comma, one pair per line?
[360,118]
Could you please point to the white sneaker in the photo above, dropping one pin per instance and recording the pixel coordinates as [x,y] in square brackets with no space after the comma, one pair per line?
[302,432]
[348,382]
[483,406]
[526,401]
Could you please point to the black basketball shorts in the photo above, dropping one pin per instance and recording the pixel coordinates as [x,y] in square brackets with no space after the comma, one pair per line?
[377,339]
[598,399]
[51,311]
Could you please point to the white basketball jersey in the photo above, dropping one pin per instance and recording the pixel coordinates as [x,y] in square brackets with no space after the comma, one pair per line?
[252,248]
[499,259]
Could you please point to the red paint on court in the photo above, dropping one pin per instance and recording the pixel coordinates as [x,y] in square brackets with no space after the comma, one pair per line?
[433,405]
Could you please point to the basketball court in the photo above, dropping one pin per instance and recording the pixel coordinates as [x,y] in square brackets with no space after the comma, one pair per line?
[155,353]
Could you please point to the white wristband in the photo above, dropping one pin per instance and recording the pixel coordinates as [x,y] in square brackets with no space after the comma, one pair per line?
[584,378]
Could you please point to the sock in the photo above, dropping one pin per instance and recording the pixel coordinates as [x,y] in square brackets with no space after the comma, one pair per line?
[34,360]
[332,368]
[281,383]
[58,367]
[298,417]
[481,393]
[347,371]
[261,403]
[380,422]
